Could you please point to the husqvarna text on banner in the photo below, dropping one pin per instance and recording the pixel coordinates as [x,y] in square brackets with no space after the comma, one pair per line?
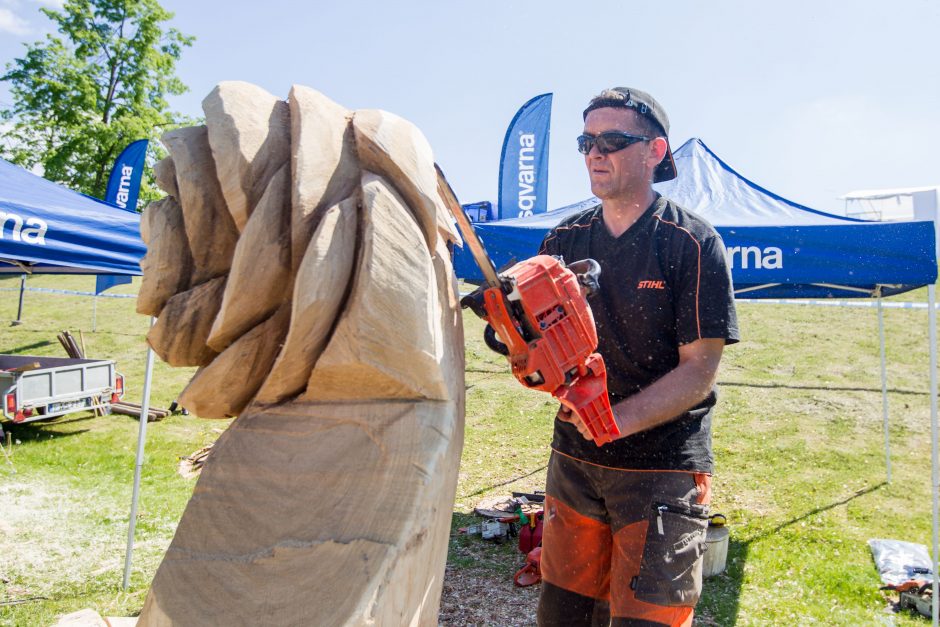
[124,182]
[523,166]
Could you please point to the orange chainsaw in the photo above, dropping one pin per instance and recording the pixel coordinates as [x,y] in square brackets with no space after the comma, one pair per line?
[539,311]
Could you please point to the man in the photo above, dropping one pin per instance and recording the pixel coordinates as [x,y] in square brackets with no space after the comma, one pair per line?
[625,522]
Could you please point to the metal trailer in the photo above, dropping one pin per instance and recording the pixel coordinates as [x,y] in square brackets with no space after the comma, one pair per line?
[59,386]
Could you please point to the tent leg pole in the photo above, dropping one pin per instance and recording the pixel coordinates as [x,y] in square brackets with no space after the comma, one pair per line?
[94,313]
[934,452]
[19,309]
[138,466]
[884,388]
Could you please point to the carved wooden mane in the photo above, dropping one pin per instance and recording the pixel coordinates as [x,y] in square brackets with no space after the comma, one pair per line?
[301,260]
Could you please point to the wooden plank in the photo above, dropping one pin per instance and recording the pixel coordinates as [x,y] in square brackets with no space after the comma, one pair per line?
[25,367]
[64,343]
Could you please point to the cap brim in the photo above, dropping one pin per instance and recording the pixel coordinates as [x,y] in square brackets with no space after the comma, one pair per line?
[666,170]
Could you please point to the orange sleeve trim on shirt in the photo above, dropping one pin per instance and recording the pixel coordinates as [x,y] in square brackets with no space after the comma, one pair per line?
[698,279]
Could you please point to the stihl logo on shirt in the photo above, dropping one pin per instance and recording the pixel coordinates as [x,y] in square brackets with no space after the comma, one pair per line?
[651,285]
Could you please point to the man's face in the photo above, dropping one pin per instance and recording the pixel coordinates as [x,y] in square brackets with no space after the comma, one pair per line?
[622,173]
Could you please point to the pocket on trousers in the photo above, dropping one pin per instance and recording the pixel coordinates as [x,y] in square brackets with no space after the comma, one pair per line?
[671,569]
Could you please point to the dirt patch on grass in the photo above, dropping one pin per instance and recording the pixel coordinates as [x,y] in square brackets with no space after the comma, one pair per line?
[46,538]
[478,597]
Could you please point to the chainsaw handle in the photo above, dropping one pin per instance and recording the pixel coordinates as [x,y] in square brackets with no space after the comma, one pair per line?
[474,302]
[489,336]
[588,272]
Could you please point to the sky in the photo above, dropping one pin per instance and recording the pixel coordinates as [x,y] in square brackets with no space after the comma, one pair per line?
[810,99]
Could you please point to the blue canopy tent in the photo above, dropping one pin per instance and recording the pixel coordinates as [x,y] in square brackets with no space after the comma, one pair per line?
[777,249]
[46,228]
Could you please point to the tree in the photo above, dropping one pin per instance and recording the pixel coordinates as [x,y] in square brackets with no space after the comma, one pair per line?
[80,98]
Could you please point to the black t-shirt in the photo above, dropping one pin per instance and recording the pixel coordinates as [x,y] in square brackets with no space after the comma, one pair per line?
[664,282]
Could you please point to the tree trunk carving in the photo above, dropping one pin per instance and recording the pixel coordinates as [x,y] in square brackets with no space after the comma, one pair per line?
[315,291]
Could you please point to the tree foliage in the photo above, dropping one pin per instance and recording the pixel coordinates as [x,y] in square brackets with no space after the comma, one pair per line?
[81,96]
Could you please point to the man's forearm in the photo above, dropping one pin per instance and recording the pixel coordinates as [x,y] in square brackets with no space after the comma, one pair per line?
[677,391]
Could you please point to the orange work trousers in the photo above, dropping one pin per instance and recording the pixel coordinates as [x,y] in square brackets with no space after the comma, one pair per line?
[621,547]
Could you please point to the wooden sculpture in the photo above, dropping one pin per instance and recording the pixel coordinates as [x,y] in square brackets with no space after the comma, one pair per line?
[301,260]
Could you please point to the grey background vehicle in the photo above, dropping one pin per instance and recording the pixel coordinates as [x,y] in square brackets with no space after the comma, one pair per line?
[57,386]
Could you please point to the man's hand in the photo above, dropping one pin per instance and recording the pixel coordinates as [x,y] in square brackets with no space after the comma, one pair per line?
[566,415]
[670,396]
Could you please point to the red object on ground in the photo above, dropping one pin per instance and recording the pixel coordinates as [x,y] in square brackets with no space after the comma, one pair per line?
[531,573]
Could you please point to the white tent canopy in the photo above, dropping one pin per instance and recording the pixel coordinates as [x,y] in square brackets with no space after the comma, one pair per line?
[898,203]
[875,194]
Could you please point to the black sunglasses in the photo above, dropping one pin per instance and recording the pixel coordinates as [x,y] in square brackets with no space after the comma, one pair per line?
[608,141]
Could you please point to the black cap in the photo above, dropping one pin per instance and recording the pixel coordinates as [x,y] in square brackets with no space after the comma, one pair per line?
[645,105]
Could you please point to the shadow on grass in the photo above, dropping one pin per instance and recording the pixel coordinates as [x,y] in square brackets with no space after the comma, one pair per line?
[818,510]
[26,347]
[485,371]
[721,593]
[39,430]
[502,483]
[830,388]
[88,332]
[37,435]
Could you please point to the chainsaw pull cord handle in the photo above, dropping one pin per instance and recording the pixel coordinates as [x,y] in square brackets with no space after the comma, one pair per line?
[588,272]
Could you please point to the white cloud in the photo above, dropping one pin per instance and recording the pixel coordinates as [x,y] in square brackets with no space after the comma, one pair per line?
[11,23]
[12,10]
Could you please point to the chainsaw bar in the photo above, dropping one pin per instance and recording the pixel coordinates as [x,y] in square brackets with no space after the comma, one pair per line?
[550,348]
[466,229]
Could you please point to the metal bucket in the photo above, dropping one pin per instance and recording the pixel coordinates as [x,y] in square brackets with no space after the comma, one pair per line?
[716,555]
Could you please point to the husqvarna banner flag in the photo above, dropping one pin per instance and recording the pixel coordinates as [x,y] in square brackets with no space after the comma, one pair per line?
[124,182]
[523,165]
[123,188]
[107,281]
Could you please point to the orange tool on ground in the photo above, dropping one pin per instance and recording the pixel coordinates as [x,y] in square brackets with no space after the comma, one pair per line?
[539,311]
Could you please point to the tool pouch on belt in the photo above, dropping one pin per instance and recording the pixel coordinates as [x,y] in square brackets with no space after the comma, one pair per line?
[671,570]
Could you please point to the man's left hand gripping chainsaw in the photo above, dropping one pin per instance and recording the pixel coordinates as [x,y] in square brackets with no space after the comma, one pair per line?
[544,324]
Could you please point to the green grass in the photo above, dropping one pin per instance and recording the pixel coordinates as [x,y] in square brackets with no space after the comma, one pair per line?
[798,443]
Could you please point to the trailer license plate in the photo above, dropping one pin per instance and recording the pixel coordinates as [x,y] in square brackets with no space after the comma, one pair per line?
[69,405]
